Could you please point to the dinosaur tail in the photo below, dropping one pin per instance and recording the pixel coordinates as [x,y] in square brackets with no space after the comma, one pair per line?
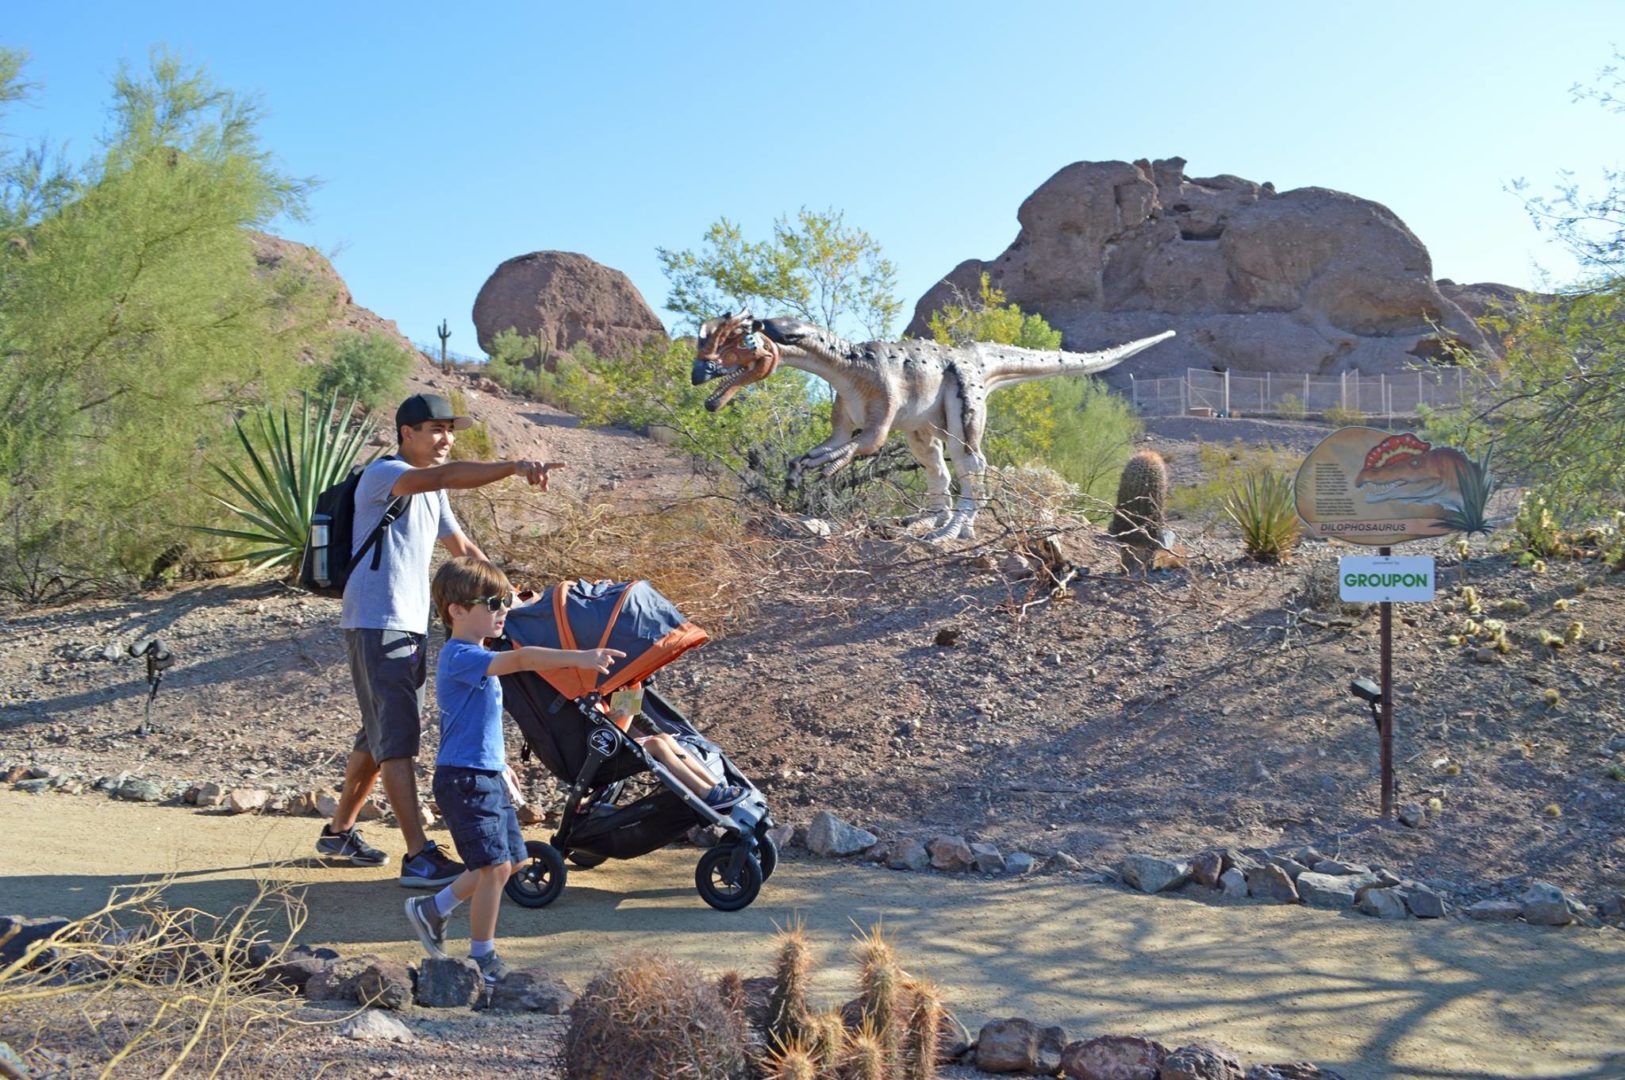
[1007,365]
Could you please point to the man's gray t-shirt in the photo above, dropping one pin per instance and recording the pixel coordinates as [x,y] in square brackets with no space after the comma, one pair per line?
[396,595]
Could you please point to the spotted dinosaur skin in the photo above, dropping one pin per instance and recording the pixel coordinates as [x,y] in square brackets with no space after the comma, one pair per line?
[936,395]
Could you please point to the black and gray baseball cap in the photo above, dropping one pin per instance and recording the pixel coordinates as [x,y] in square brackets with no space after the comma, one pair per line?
[421,407]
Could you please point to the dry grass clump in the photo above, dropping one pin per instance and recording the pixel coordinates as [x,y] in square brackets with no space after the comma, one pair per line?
[1318,590]
[653,1016]
[142,988]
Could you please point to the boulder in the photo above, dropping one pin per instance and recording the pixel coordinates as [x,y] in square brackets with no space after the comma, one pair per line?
[1234,884]
[384,984]
[987,858]
[448,983]
[1202,1061]
[1271,883]
[140,789]
[1113,1057]
[829,835]
[373,1025]
[566,299]
[531,991]
[1330,890]
[1206,868]
[1295,1070]
[1422,901]
[908,854]
[1494,911]
[23,933]
[247,800]
[1018,863]
[337,980]
[1303,281]
[1151,874]
[1384,903]
[1544,904]
[950,853]
[1019,1046]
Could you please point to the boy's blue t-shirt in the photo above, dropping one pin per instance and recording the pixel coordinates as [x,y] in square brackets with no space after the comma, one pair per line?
[470,708]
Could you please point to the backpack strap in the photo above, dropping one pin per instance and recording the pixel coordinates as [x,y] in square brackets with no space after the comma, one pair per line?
[394,510]
[391,512]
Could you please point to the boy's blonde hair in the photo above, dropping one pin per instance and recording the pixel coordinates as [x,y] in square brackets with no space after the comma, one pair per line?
[464,580]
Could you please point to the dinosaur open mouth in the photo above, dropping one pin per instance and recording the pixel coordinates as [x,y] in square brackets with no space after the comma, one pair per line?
[720,396]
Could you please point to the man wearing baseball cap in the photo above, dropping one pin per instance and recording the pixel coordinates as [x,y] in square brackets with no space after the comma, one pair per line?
[386,624]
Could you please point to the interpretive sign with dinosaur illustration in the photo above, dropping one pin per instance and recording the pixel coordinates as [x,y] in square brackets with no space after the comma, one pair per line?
[1369,486]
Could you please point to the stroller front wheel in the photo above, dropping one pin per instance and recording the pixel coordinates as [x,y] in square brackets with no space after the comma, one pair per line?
[767,853]
[711,878]
[539,881]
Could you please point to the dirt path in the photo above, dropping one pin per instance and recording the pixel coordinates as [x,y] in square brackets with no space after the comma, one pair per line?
[1368,999]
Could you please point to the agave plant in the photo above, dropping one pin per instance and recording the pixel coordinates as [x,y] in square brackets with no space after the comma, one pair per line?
[1476,486]
[1265,511]
[290,462]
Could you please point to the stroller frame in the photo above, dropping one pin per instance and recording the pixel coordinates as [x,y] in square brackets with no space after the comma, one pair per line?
[593,828]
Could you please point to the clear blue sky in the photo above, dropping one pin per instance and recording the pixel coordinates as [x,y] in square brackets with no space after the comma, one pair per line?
[449,137]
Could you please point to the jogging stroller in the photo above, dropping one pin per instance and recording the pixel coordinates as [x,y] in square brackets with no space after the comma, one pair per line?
[622,803]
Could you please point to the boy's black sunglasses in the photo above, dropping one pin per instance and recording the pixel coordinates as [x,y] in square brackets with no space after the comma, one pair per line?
[493,603]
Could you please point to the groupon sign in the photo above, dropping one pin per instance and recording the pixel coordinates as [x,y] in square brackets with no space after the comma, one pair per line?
[1375,578]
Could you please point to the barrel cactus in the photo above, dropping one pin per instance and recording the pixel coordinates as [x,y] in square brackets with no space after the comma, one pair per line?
[654,1016]
[1140,521]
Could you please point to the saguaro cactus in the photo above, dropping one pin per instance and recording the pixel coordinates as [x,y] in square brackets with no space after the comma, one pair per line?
[1141,518]
[445,332]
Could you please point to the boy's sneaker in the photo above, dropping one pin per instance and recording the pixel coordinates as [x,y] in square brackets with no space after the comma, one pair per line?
[722,797]
[493,967]
[425,918]
[430,868]
[349,845]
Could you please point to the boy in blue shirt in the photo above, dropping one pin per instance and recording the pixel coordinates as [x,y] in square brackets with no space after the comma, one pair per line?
[470,776]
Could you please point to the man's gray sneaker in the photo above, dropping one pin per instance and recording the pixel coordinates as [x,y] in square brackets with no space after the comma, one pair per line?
[493,967]
[430,868]
[425,918]
[348,845]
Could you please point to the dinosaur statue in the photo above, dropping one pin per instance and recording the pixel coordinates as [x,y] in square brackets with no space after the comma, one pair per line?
[936,395]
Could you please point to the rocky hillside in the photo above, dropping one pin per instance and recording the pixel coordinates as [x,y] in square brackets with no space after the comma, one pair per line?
[1304,281]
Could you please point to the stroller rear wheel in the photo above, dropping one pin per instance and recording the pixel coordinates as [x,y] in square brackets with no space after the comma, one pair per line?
[539,881]
[711,878]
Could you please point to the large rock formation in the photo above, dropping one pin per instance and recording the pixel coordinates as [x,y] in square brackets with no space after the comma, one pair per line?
[273,254]
[566,298]
[1308,280]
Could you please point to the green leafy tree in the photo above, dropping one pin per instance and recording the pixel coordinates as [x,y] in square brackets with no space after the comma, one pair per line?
[815,267]
[1559,414]
[369,368]
[1074,425]
[134,323]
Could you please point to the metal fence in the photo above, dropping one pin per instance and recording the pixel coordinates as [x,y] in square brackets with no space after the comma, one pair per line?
[1251,393]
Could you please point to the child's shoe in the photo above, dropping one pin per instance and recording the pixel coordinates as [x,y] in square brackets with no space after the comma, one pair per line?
[492,967]
[723,796]
[425,918]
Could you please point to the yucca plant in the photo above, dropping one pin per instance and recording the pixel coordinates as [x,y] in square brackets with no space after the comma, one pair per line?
[1476,485]
[1264,509]
[289,462]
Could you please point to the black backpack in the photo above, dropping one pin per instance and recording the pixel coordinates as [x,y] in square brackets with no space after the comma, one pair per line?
[327,564]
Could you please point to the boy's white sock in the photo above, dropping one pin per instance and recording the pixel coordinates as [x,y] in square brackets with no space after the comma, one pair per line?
[477,949]
[445,902]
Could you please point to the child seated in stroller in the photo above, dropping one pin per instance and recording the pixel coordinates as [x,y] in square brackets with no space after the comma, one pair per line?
[670,753]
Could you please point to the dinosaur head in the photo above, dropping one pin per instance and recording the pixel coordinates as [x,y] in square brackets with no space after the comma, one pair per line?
[1403,468]
[734,348]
